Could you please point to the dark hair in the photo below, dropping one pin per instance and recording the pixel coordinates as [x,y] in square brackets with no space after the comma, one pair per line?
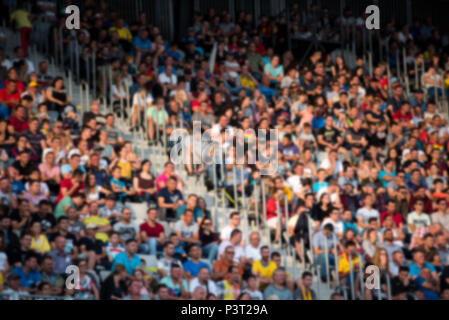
[306,274]
[129,241]
[235,232]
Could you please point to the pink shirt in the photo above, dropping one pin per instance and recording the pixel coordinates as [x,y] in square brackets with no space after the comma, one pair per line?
[51,173]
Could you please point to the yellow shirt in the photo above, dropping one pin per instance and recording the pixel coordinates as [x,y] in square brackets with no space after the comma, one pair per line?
[40,244]
[264,271]
[1,281]
[99,222]
[247,82]
[343,263]
[123,33]
[21,18]
[126,169]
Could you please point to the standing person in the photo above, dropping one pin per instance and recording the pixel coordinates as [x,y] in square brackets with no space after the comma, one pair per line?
[21,18]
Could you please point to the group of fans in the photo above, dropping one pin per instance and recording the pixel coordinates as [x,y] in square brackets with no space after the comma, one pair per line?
[366,163]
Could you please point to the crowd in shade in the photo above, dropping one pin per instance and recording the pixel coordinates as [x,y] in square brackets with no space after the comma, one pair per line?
[361,177]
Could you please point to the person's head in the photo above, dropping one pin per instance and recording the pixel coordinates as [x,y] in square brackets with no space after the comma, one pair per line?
[307,279]
[35,228]
[398,258]
[188,217]
[276,258]
[236,236]
[229,253]
[328,229]
[336,296]
[418,257]
[31,262]
[419,205]
[199,293]
[25,240]
[203,274]
[47,265]
[131,246]
[388,235]
[134,288]
[234,274]
[169,249]
[195,251]
[234,219]
[152,214]
[265,253]
[163,292]
[279,276]
[175,271]
[171,184]
[254,239]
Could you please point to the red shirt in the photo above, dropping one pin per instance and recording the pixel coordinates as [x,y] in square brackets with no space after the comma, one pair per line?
[397,218]
[4,95]
[19,85]
[19,125]
[152,232]
[402,118]
[68,184]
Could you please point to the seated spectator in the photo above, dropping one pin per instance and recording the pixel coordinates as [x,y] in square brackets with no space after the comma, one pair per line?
[128,258]
[277,289]
[151,233]
[193,263]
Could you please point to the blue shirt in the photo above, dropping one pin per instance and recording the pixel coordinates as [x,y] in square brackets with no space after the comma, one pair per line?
[384,173]
[27,280]
[142,44]
[193,267]
[267,92]
[130,265]
[414,269]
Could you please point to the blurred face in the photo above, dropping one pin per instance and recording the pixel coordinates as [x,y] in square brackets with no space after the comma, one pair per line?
[188,217]
[419,257]
[307,281]
[235,220]
[265,253]
[254,240]
[195,252]
[132,247]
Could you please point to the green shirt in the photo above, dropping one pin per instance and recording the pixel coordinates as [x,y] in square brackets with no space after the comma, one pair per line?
[60,207]
[158,115]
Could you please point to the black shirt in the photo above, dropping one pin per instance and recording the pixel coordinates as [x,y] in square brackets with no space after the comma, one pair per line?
[329,136]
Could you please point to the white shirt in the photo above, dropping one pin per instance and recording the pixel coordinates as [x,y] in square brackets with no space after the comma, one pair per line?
[29,64]
[165,79]
[326,164]
[252,253]
[338,226]
[226,232]
[142,101]
[294,183]
[211,287]
[239,250]
[366,214]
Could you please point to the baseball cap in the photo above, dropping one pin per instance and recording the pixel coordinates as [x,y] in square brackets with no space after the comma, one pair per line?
[32,84]
[73,152]
[65,168]
[47,151]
